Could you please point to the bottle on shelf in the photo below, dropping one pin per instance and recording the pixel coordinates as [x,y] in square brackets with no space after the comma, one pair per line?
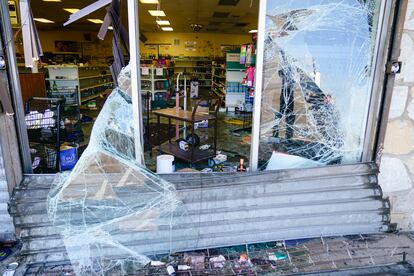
[241,167]
[54,86]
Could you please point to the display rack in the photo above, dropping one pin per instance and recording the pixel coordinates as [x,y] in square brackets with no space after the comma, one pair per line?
[218,83]
[156,81]
[194,67]
[90,82]
[235,72]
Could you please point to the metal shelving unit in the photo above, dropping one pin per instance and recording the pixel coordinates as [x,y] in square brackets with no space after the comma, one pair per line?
[90,81]
[198,67]
[218,83]
[151,82]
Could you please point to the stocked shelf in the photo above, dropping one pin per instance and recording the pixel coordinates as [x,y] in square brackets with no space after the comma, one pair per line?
[235,70]
[192,66]
[89,81]
[193,72]
[102,94]
[218,83]
[95,86]
[96,76]
[199,68]
[218,92]
[222,85]
[158,84]
[192,60]
[49,79]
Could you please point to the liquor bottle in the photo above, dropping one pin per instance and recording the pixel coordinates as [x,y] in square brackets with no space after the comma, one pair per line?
[241,167]
[54,86]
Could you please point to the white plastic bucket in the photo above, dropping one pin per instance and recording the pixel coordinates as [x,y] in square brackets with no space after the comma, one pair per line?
[165,163]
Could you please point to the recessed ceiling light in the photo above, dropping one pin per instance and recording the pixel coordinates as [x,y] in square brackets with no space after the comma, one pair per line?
[96,21]
[167,29]
[43,20]
[52,0]
[71,10]
[163,22]
[252,31]
[149,1]
[157,12]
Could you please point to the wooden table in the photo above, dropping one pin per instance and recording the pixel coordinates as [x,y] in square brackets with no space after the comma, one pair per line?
[194,154]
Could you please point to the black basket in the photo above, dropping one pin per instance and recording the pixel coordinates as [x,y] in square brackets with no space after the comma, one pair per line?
[44,158]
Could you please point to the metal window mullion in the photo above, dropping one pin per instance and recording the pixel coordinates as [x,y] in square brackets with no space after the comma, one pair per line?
[377,80]
[396,27]
[375,91]
[14,83]
[133,26]
[257,107]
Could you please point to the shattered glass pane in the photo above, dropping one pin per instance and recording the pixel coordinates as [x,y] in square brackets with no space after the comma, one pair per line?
[108,205]
[318,72]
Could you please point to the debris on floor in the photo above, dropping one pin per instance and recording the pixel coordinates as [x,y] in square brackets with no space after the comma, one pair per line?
[8,255]
[369,253]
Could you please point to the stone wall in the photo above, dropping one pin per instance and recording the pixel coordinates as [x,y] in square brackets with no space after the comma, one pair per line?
[397,165]
[6,223]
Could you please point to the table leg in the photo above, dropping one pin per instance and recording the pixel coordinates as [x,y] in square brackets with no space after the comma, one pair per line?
[215,136]
[158,131]
[169,130]
[192,144]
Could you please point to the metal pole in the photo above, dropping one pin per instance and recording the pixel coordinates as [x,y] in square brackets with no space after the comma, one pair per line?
[378,65]
[254,149]
[392,55]
[177,107]
[14,82]
[185,108]
[133,27]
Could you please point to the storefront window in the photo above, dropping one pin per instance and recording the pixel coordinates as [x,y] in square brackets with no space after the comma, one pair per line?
[317,78]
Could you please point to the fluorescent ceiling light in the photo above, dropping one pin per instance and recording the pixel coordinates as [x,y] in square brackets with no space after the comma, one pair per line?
[167,29]
[43,20]
[71,10]
[149,1]
[163,22]
[252,31]
[157,12]
[96,21]
[52,0]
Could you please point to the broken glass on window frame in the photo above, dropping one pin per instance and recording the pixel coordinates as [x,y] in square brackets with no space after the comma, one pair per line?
[317,81]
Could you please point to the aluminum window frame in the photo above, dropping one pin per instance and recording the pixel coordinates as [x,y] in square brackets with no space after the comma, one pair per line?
[14,83]
[134,61]
[373,122]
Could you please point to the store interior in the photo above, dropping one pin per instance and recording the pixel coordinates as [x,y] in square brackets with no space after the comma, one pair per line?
[197,82]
